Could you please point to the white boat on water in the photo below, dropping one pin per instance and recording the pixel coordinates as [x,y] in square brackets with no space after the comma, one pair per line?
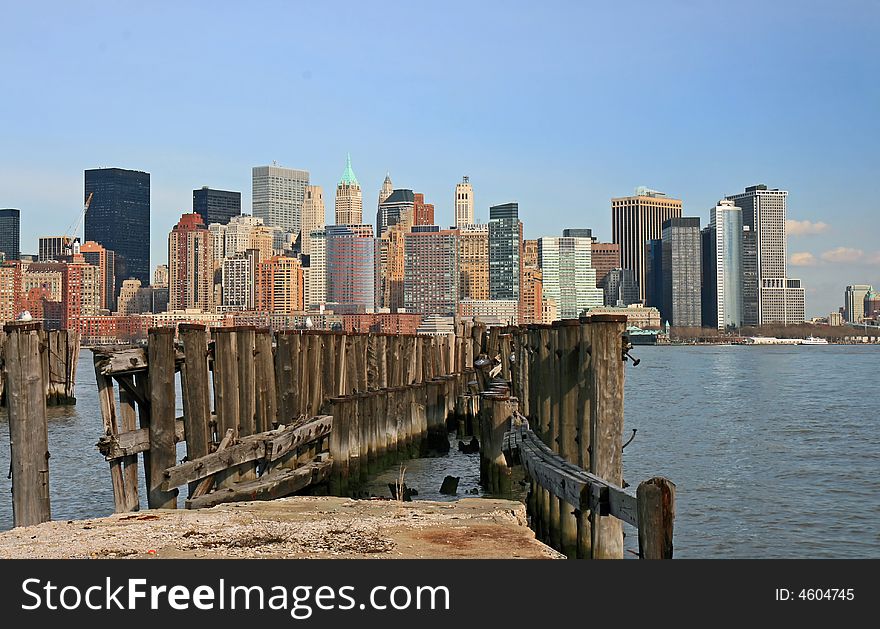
[814,340]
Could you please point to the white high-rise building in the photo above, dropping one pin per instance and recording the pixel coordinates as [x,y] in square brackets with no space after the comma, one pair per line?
[464,202]
[775,298]
[726,224]
[313,216]
[569,278]
[239,281]
[278,195]
[316,291]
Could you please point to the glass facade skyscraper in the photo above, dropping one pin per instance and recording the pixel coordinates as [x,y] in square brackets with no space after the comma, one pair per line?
[216,206]
[505,250]
[682,304]
[118,218]
[10,233]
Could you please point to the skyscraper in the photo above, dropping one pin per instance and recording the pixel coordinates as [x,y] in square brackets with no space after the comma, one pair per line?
[473,262]
[464,202]
[430,283]
[779,298]
[569,278]
[316,294]
[682,304]
[313,217]
[654,273]
[350,268]
[398,207]
[278,195]
[854,302]
[423,213]
[620,288]
[605,256]
[386,189]
[637,219]
[53,247]
[279,285]
[119,219]
[105,259]
[10,233]
[505,251]
[190,265]
[216,206]
[349,199]
[722,301]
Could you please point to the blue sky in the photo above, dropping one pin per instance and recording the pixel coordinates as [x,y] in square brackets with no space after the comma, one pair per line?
[558,105]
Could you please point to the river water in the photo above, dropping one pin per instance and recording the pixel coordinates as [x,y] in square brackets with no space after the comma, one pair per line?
[775,451]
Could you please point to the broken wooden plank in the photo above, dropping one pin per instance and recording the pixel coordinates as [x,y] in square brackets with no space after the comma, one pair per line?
[112,361]
[205,485]
[290,438]
[278,484]
[132,442]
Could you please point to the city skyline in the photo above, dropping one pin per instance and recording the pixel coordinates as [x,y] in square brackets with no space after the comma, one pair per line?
[562,159]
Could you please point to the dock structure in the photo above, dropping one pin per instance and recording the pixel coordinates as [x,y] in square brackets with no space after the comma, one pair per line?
[59,355]
[271,414]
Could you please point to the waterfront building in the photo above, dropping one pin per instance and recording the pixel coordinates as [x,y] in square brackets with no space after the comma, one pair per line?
[119,218]
[105,259]
[490,311]
[722,240]
[620,288]
[505,252]
[854,302]
[682,305]
[80,292]
[278,195]
[464,203]
[569,278]
[349,198]
[279,285]
[10,233]
[430,278]
[133,299]
[190,265]
[350,268]
[872,305]
[10,290]
[637,315]
[216,206]
[239,281]
[654,273]
[634,221]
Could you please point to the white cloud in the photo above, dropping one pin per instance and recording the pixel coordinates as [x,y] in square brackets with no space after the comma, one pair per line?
[803,258]
[843,255]
[805,228]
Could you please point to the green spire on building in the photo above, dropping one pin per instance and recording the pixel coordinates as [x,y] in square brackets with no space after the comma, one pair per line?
[348,177]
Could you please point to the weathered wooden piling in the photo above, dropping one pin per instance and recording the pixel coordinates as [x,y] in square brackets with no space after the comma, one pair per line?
[656,505]
[568,357]
[194,386]
[267,398]
[28,431]
[163,453]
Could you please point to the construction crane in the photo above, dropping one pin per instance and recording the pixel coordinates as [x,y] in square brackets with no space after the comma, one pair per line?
[70,234]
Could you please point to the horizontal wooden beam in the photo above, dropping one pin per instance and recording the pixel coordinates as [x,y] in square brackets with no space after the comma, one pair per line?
[132,442]
[276,484]
[565,480]
[125,360]
[269,445]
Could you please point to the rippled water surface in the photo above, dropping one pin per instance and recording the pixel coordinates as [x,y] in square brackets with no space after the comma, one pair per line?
[775,451]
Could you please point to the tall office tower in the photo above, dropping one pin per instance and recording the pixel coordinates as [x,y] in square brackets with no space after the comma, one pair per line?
[464,202]
[279,285]
[531,295]
[386,189]
[399,207]
[317,288]
[473,262]
[505,251]
[10,233]
[430,276]
[390,266]
[722,240]
[119,218]
[854,302]
[681,262]
[654,273]
[578,232]
[750,276]
[105,259]
[278,195]
[313,217]
[350,268]
[779,298]
[605,256]
[54,248]
[872,305]
[160,275]
[530,253]
[569,278]
[190,265]
[349,199]
[262,239]
[620,288]
[423,213]
[637,219]
[216,206]
[239,281]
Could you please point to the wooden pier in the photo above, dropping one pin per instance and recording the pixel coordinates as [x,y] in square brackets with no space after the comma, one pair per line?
[269,414]
[59,354]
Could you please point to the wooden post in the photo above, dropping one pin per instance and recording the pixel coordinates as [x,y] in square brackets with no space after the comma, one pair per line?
[372,342]
[355,462]
[28,431]
[107,401]
[656,505]
[328,369]
[284,385]
[568,353]
[381,361]
[163,453]
[584,428]
[341,366]
[377,400]
[606,425]
[339,446]
[196,402]
[267,409]
[390,427]
[127,423]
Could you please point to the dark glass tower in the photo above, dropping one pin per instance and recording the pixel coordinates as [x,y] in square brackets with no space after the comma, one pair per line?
[505,250]
[10,233]
[216,206]
[119,219]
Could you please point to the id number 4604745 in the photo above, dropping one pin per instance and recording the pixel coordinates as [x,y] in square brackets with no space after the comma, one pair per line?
[816,594]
